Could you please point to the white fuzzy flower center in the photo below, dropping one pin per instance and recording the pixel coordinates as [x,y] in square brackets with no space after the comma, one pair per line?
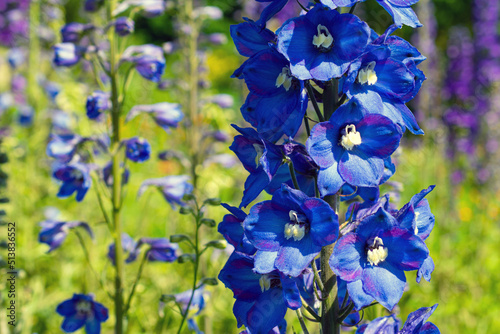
[367,74]
[377,252]
[258,153]
[296,229]
[323,39]
[351,137]
[264,282]
[284,79]
[83,307]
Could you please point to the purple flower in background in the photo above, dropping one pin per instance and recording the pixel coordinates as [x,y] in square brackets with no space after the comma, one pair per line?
[373,259]
[26,114]
[53,233]
[160,250]
[129,247]
[63,147]
[74,31]
[351,147]
[137,149]
[67,54]
[97,103]
[107,175]
[123,26]
[223,100]
[148,60]
[81,310]
[321,44]
[289,231]
[93,5]
[173,188]
[16,57]
[75,177]
[166,115]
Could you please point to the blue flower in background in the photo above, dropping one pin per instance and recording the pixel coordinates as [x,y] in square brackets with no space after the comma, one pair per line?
[74,31]
[277,101]
[63,147]
[261,300]
[81,310]
[107,174]
[123,26]
[160,250]
[97,103]
[53,233]
[351,147]
[415,324]
[75,177]
[137,149]
[148,60]
[93,5]
[166,115]
[373,259]
[321,44]
[289,231]
[129,247]
[16,57]
[26,115]
[173,188]
[67,54]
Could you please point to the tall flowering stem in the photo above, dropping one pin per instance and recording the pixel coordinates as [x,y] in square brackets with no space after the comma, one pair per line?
[117,183]
[363,81]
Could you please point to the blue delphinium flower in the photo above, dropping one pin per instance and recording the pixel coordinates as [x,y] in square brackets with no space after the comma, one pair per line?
[67,54]
[75,177]
[166,115]
[272,9]
[373,259]
[160,249]
[148,60]
[53,233]
[321,44]
[249,38]
[137,149]
[81,310]
[261,300]
[277,101]
[123,26]
[289,231]
[26,115]
[231,228]
[197,305]
[416,216]
[173,188]
[97,103]
[129,248]
[74,31]
[415,324]
[16,57]
[351,147]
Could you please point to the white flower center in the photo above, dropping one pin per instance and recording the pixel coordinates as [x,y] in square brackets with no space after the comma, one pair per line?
[367,74]
[323,39]
[83,307]
[377,252]
[296,229]
[351,137]
[264,282]
[416,218]
[284,79]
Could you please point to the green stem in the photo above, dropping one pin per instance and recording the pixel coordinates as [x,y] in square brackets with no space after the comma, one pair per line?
[116,191]
[34,54]
[330,98]
[196,266]
[292,174]
[301,320]
[139,274]
[310,92]
[308,127]
[330,304]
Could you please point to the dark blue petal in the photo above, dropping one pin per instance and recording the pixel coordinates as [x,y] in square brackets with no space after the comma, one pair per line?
[346,259]
[416,319]
[406,250]
[290,293]
[73,323]
[265,224]
[249,38]
[238,275]
[267,312]
[272,9]
[92,326]
[67,307]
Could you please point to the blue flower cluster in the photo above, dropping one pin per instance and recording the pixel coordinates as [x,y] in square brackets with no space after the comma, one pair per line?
[363,81]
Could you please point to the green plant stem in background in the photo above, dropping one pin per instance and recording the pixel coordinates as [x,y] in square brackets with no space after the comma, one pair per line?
[34,54]
[197,254]
[139,274]
[116,191]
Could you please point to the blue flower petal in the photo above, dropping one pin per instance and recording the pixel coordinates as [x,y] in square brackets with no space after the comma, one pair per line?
[264,262]
[346,259]
[385,283]
[265,225]
[73,322]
